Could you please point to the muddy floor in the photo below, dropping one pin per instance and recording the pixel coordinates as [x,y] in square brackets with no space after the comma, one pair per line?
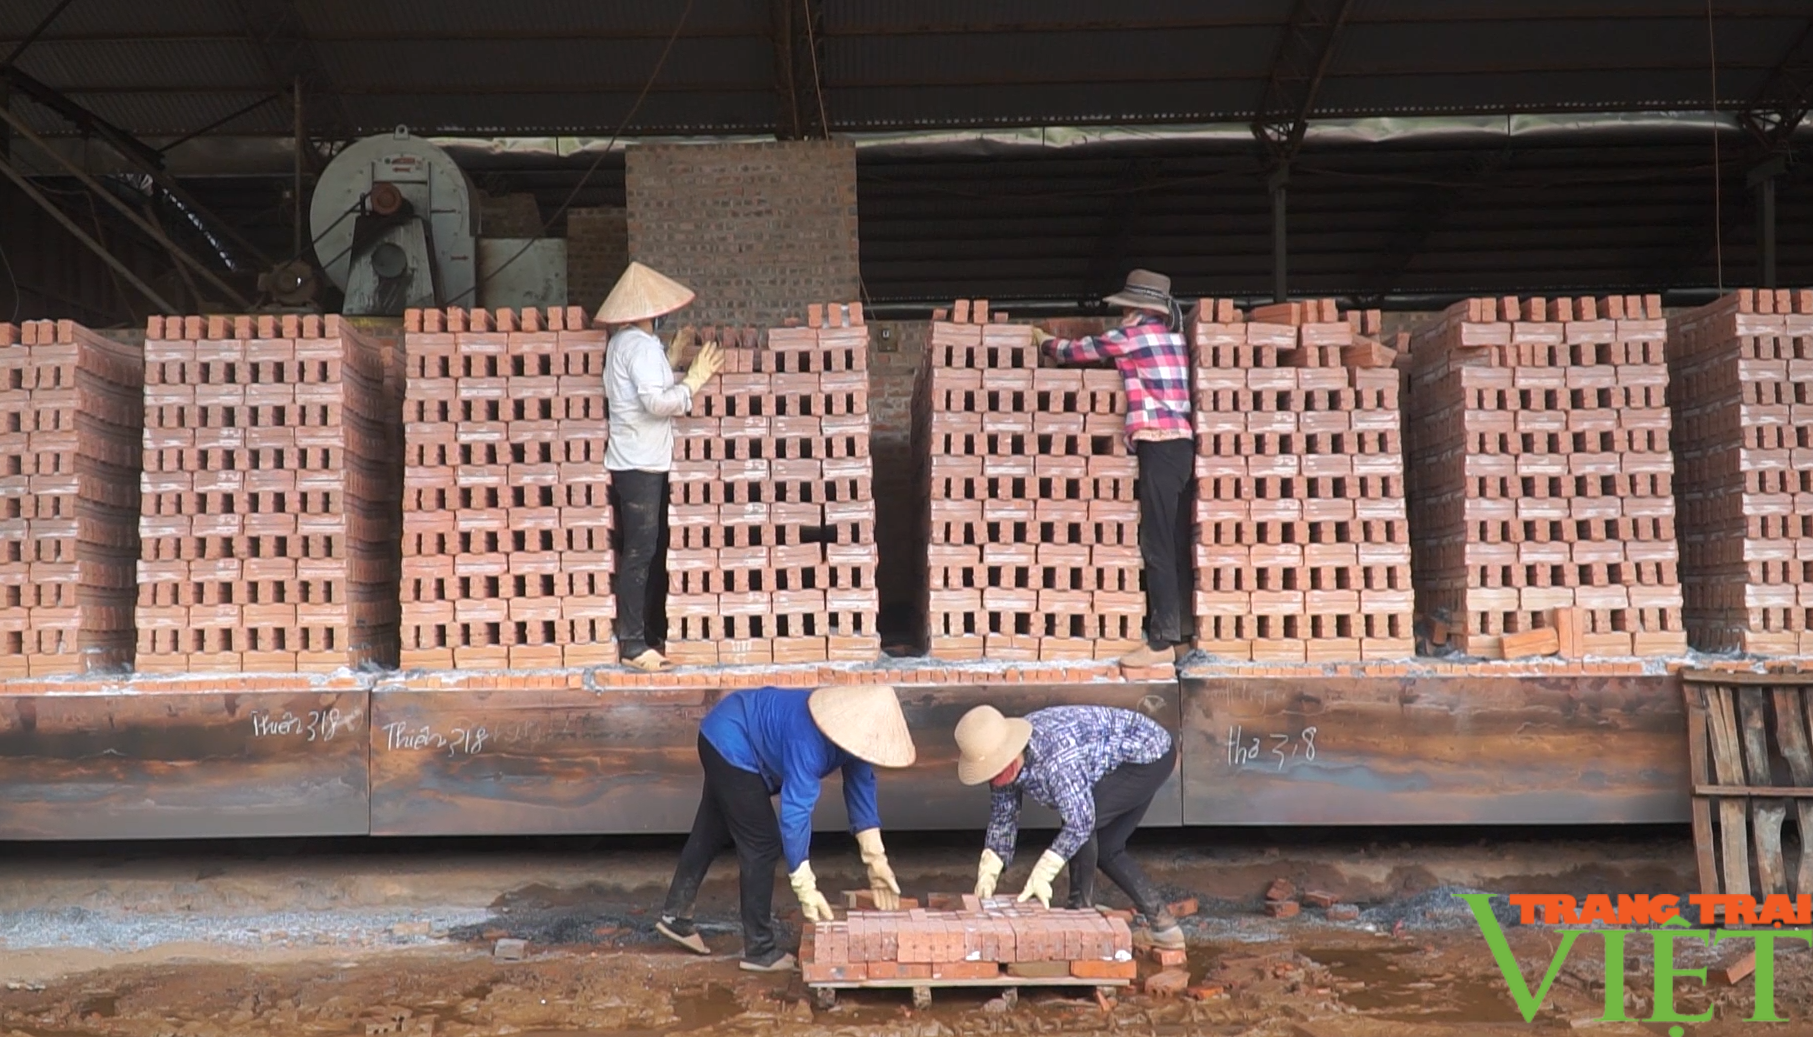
[328,939]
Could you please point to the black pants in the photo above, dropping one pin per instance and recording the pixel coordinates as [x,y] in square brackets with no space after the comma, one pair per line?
[734,808]
[1121,800]
[639,502]
[1166,470]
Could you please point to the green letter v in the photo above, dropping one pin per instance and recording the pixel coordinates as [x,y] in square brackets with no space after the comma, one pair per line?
[1527,1003]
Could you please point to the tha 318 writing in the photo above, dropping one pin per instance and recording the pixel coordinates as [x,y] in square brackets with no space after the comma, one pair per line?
[1260,750]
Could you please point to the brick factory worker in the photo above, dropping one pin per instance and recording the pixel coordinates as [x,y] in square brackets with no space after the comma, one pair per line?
[1154,359]
[1099,768]
[644,400]
[756,743]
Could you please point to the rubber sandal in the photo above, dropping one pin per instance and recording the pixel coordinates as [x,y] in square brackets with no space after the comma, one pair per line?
[650,661]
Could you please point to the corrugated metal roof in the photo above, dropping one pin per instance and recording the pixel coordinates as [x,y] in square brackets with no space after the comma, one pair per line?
[905,64]
[569,66]
[164,66]
[479,114]
[166,114]
[551,19]
[124,18]
[950,16]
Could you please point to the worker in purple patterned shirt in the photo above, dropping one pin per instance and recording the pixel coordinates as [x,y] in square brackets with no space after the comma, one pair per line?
[1153,357]
[1099,768]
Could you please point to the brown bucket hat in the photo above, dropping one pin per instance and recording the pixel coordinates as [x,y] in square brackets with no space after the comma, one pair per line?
[1145,290]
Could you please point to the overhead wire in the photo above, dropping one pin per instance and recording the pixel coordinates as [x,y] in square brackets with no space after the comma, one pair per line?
[603,152]
[1718,187]
[13,280]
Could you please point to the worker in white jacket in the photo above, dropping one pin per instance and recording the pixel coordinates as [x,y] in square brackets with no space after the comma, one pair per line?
[644,400]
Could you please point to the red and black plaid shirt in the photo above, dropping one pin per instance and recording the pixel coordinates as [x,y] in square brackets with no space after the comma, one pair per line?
[1154,361]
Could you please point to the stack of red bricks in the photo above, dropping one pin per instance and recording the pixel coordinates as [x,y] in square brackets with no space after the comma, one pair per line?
[1741,377]
[772,554]
[74,412]
[1033,542]
[506,516]
[983,941]
[1303,551]
[1542,480]
[265,525]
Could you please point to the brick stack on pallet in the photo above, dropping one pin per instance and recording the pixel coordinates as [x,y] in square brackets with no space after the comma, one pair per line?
[1741,382]
[73,404]
[1033,540]
[986,940]
[506,516]
[771,554]
[264,529]
[1541,479]
[1303,549]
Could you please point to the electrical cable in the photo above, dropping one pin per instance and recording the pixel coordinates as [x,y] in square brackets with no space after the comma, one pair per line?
[605,151]
[1718,187]
[824,121]
[13,280]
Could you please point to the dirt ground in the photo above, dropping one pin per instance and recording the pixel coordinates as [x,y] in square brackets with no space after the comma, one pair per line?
[211,940]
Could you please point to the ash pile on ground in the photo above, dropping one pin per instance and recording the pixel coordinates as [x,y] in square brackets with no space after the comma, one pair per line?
[1439,908]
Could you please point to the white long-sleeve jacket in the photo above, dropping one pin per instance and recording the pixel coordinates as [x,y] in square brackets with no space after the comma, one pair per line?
[644,398]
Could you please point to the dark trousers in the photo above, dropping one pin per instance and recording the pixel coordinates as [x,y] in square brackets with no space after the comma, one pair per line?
[735,808]
[1121,800]
[639,502]
[1166,470]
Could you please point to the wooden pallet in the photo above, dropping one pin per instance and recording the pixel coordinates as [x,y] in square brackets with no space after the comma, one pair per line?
[825,994]
[1750,753]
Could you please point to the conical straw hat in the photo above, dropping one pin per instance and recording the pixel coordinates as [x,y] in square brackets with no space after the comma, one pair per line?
[987,742]
[865,721]
[642,294]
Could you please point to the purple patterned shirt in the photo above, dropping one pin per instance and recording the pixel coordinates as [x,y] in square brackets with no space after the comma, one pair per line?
[1072,748]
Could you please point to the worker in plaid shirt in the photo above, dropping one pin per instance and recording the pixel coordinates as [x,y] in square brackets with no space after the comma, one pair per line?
[1154,359]
[1099,768]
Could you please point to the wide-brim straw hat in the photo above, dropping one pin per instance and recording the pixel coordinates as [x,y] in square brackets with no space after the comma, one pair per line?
[987,742]
[643,294]
[1144,290]
[865,721]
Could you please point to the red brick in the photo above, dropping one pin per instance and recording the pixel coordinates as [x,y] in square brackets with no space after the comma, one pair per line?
[1169,983]
[1106,970]
[826,973]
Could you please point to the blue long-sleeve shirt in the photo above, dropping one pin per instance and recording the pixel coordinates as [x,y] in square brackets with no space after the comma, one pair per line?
[769,731]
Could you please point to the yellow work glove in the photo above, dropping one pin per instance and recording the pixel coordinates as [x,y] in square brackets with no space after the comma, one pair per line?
[676,349]
[1038,884]
[706,364]
[812,903]
[1040,336]
[988,873]
[882,883]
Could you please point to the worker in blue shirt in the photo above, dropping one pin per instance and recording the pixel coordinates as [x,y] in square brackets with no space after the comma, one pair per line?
[755,744]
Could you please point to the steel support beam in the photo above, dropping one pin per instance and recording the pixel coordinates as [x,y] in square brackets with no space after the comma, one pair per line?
[796,31]
[1785,97]
[37,31]
[150,228]
[50,207]
[1762,181]
[1770,119]
[1298,67]
[1277,185]
[147,159]
[279,32]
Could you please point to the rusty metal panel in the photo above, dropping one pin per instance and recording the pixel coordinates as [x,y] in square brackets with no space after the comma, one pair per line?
[165,764]
[1434,750]
[521,762]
